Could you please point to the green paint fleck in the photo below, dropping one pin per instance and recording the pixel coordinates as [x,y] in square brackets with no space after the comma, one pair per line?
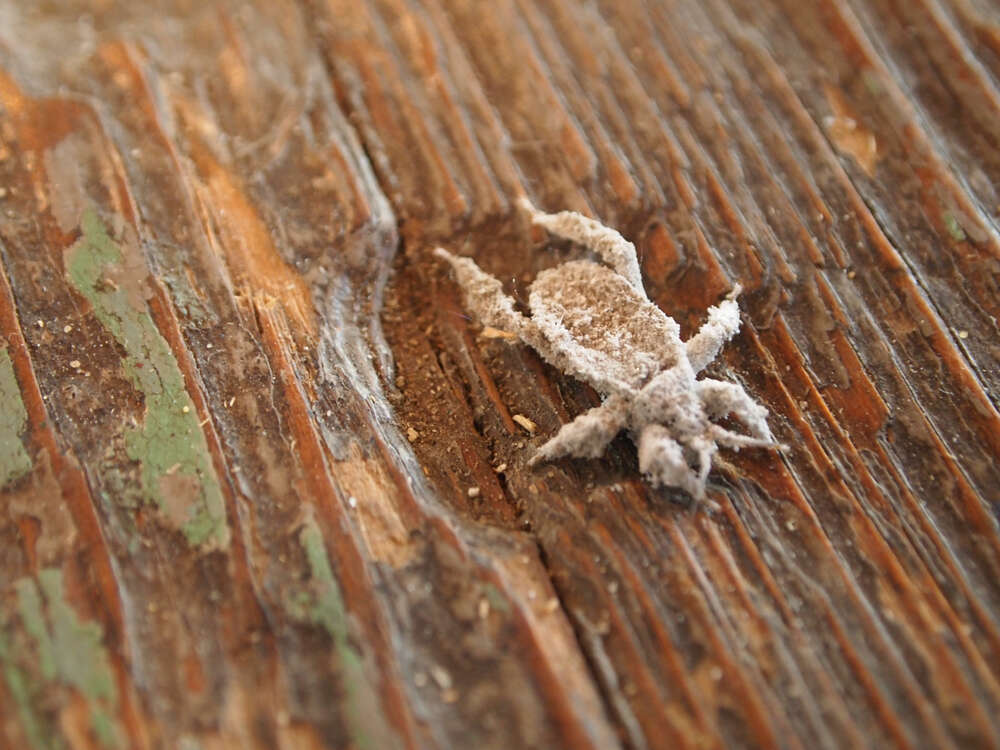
[324,606]
[872,83]
[20,690]
[177,472]
[953,227]
[29,602]
[496,599]
[77,651]
[14,459]
[187,299]
[68,652]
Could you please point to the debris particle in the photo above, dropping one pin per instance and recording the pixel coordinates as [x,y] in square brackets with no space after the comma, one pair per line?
[484,609]
[963,334]
[411,434]
[441,677]
[67,329]
[185,408]
[551,605]
[848,134]
[352,501]
[953,227]
[500,469]
[473,492]
[40,323]
[525,423]
[75,364]
[851,274]
[489,332]
[231,402]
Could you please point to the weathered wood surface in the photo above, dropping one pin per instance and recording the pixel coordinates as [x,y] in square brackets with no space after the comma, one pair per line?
[222,324]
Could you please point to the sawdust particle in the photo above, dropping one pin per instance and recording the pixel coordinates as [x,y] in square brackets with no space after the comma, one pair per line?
[489,332]
[441,677]
[526,423]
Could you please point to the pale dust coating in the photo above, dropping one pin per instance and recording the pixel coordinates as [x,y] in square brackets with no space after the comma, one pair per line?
[594,321]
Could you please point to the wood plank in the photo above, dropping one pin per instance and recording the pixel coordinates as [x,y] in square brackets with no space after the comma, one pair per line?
[244,406]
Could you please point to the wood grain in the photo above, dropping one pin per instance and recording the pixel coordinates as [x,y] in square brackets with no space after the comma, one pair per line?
[253,406]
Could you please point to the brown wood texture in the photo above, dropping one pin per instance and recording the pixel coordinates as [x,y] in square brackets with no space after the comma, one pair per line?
[243,407]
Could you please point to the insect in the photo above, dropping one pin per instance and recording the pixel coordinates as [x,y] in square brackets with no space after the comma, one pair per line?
[593,320]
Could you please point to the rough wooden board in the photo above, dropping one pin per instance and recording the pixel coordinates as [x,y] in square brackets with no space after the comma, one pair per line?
[269,174]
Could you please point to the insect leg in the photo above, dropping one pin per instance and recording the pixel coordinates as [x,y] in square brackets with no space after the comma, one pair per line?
[722,324]
[720,398]
[604,241]
[589,434]
[705,449]
[485,297]
[661,458]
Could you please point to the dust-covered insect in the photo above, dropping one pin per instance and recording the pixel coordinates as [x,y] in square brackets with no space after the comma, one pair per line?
[594,321]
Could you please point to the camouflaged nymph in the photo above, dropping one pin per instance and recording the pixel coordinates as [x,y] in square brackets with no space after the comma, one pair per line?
[594,321]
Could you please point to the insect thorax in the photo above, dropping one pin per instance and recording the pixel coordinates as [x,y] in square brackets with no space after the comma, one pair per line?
[600,311]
